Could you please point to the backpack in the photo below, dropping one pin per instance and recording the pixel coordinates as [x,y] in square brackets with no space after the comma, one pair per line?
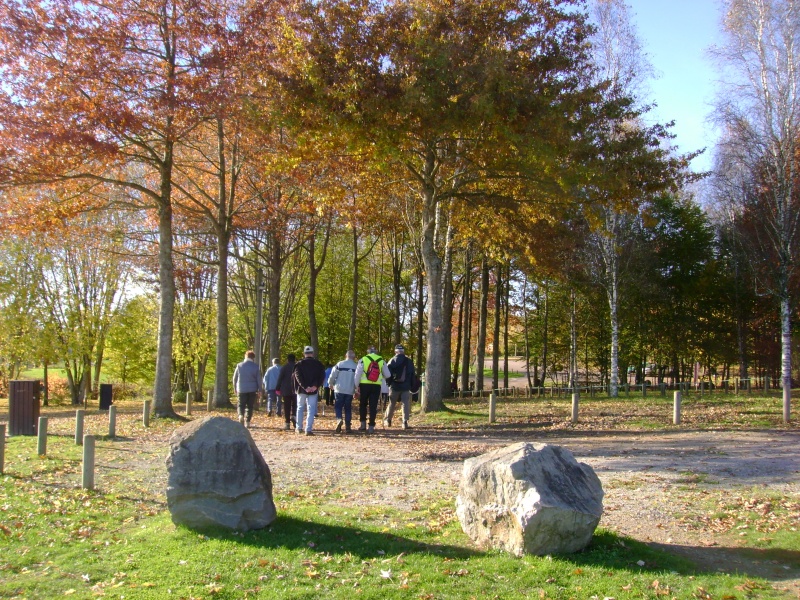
[373,370]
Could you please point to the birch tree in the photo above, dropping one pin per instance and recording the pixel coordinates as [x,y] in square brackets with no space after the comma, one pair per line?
[760,109]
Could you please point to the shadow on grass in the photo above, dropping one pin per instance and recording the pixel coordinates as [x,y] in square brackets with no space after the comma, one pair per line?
[291,533]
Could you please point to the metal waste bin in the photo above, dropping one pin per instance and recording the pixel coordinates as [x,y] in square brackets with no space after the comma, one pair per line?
[106,396]
[23,407]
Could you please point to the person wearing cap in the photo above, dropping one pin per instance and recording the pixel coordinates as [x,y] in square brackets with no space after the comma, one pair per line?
[309,375]
[401,368]
[284,387]
[247,384]
[369,389]
[270,385]
[343,382]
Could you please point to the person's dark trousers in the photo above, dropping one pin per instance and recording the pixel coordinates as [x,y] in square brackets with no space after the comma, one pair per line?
[246,402]
[370,394]
[344,403]
[289,408]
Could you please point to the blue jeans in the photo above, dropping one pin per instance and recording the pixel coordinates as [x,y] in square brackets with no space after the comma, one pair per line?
[306,401]
[343,401]
[273,402]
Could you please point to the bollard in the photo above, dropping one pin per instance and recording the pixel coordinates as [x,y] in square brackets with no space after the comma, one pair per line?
[644,389]
[575,402]
[2,447]
[188,403]
[112,421]
[210,400]
[88,462]
[766,384]
[749,387]
[146,413]
[492,407]
[663,388]
[79,426]
[736,386]
[676,412]
[41,439]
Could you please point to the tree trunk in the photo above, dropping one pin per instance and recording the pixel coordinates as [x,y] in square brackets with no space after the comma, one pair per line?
[276,259]
[221,376]
[483,318]
[545,332]
[506,298]
[467,329]
[162,393]
[397,274]
[459,334]
[420,315]
[498,293]
[447,306]
[786,353]
[435,367]
[351,340]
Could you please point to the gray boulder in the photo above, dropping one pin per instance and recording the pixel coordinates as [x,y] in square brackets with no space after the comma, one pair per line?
[217,477]
[529,499]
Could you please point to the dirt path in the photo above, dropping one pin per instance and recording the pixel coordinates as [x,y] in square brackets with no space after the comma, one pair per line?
[653,481]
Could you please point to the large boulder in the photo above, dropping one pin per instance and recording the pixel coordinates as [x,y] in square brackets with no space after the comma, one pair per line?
[529,499]
[217,477]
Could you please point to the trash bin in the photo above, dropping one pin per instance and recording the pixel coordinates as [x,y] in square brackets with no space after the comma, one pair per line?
[23,407]
[106,396]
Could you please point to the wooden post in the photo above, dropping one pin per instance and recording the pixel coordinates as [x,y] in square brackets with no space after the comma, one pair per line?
[663,388]
[676,411]
[112,421]
[492,407]
[41,437]
[2,447]
[188,403]
[749,386]
[575,402]
[766,384]
[88,462]
[79,426]
[736,386]
[644,388]
[146,413]
[210,400]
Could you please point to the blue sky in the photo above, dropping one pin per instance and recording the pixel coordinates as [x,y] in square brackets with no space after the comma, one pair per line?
[676,35]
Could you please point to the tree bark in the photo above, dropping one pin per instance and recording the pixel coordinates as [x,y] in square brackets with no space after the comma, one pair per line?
[498,293]
[467,328]
[483,318]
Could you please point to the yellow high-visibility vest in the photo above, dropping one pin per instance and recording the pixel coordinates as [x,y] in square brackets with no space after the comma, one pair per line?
[366,362]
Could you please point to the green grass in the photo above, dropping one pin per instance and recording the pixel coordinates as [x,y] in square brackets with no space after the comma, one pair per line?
[119,542]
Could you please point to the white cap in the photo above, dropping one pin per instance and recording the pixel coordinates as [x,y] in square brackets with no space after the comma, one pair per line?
[308,350]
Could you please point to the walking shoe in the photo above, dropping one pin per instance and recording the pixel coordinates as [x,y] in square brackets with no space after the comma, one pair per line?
[298,431]
[309,433]
[347,428]
[371,429]
[287,427]
[269,414]
[387,422]
[339,424]
[247,424]
[363,426]
[406,425]
[241,419]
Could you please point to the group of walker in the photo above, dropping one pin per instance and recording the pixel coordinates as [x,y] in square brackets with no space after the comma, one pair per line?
[293,389]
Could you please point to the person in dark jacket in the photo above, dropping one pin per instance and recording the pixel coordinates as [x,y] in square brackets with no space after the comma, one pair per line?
[285,388]
[401,368]
[309,376]
[247,384]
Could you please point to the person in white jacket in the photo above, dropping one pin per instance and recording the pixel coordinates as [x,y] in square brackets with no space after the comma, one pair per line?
[343,382]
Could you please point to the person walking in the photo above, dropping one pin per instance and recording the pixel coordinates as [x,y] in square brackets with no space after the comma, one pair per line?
[371,372]
[270,385]
[309,375]
[285,388]
[247,384]
[401,368]
[343,382]
[327,394]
